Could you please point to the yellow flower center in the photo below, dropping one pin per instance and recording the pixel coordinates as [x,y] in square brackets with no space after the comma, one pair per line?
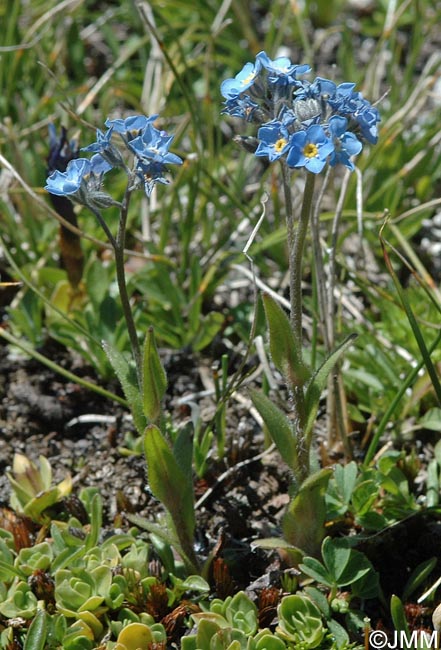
[278,146]
[248,79]
[310,150]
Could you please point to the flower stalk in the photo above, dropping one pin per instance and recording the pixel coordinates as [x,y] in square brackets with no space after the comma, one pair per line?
[311,125]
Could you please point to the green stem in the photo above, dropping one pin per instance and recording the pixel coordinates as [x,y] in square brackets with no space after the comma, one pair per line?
[296,236]
[296,260]
[118,246]
[122,285]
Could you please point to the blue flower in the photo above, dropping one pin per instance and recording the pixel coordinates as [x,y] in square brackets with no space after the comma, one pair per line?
[104,146]
[152,146]
[81,181]
[310,149]
[367,117]
[346,144]
[274,140]
[131,127]
[68,183]
[150,174]
[319,88]
[243,107]
[232,88]
[281,71]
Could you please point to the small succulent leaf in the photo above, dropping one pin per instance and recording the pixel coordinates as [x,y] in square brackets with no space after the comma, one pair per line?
[196,583]
[278,426]
[92,622]
[207,628]
[37,632]
[188,642]
[127,378]
[242,613]
[35,508]
[170,485]
[102,576]
[217,620]
[135,636]
[268,641]
[300,621]
[91,604]
[303,523]
[318,382]
[284,353]
[154,379]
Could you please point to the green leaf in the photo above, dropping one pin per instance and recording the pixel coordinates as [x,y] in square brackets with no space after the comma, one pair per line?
[315,569]
[303,523]
[398,615]
[278,427]
[418,576]
[335,558]
[431,420]
[318,382]
[183,450]
[127,378]
[172,486]
[37,633]
[345,478]
[339,633]
[154,380]
[284,353]
[96,518]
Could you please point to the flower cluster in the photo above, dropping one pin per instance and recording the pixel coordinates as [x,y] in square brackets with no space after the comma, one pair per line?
[83,177]
[306,123]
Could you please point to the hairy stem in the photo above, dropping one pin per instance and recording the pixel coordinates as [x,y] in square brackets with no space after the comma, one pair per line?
[296,235]
[118,246]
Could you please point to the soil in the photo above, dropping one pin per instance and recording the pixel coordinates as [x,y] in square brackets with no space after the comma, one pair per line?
[240,500]
[242,497]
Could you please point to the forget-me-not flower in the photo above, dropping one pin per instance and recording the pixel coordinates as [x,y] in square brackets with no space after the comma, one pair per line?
[346,144]
[306,123]
[310,149]
[81,181]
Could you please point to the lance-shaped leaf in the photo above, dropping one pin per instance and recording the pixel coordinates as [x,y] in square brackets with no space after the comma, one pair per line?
[284,351]
[127,378]
[154,380]
[278,427]
[172,486]
[303,523]
[318,383]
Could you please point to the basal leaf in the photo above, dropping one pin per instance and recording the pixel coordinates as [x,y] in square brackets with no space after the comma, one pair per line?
[303,523]
[171,485]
